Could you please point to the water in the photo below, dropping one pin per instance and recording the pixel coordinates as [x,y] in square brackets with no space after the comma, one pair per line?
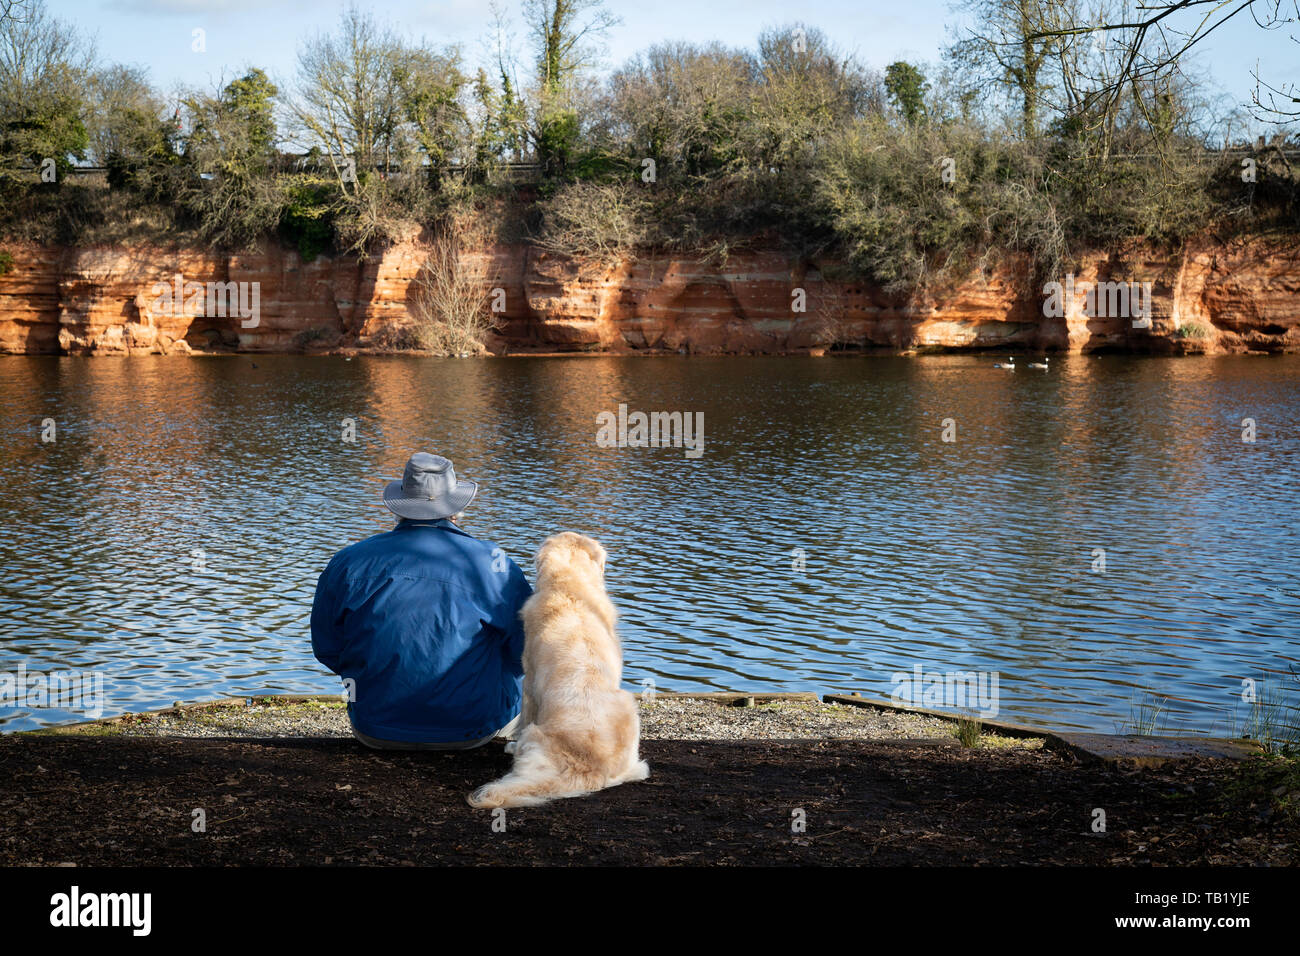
[170,537]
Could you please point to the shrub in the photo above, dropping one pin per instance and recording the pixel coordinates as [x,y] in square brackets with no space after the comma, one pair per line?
[307,217]
[598,221]
[1160,196]
[382,209]
[881,190]
[449,301]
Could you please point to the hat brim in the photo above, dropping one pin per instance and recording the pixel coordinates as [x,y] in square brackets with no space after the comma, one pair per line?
[428,509]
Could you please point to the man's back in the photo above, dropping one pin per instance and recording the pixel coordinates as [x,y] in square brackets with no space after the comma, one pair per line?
[425,619]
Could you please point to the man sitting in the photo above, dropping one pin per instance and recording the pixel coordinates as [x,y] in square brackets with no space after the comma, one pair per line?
[422,622]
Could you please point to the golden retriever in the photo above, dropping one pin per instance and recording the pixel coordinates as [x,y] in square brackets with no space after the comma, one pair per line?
[579,731]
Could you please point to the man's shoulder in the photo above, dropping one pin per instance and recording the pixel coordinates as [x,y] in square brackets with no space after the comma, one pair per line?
[376,543]
[413,546]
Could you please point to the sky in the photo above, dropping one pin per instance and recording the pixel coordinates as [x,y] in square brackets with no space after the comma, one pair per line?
[237,34]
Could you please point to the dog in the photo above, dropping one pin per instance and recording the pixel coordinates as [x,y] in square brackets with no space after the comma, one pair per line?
[579,731]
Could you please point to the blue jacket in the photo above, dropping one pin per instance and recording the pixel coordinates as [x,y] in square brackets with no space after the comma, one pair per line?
[425,619]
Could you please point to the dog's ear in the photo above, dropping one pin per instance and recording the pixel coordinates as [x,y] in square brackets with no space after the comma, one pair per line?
[540,557]
[596,550]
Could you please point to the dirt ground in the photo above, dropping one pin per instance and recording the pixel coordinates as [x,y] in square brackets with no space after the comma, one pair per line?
[119,800]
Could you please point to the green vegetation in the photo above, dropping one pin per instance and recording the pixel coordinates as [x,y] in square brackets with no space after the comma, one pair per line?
[1148,716]
[1271,716]
[907,87]
[1272,720]
[1029,137]
[967,731]
[87,729]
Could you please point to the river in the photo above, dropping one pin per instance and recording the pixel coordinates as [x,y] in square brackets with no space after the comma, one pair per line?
[1102,539]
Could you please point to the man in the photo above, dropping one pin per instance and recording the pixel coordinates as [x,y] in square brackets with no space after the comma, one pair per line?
[425,620]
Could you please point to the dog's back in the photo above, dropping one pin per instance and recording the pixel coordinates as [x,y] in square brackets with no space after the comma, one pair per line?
[581,730]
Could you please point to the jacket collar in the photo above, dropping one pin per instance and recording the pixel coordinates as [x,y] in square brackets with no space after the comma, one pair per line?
[410,524]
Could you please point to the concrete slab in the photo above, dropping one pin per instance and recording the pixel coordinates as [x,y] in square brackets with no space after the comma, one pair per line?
[1129,750]
[1133,750]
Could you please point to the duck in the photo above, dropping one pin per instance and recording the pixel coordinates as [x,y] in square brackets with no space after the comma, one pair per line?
[1008,364]
[1042,364]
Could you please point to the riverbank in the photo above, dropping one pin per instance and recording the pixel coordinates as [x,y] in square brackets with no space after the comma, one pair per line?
[280,783]
[666,718]
[1210,296]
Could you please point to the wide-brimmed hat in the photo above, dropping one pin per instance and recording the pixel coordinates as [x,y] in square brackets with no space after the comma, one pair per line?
[428,489]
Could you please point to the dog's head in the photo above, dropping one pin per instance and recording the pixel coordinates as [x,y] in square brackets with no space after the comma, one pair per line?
[570,548]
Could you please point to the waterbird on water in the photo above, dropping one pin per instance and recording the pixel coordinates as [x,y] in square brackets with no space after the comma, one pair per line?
[1042,364]
[1008,364]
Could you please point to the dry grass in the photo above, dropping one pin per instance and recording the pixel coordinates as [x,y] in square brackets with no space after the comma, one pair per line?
[450,299]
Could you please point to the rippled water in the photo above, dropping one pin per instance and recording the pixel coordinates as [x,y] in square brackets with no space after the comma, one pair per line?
[170,536]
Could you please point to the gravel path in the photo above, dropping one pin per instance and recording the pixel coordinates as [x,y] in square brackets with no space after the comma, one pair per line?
[664,719]
[683,719]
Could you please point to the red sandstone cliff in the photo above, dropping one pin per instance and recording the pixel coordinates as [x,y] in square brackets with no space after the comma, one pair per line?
[1213,297]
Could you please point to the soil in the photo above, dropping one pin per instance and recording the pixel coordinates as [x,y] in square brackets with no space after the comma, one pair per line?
[118,800]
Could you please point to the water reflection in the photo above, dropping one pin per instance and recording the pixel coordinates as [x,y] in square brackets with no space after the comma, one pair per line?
[172,534]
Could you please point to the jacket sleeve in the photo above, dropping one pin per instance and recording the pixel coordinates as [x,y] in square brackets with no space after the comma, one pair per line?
[514,592]
[326,619]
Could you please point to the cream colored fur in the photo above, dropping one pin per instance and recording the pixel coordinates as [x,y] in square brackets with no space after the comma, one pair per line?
[579,731]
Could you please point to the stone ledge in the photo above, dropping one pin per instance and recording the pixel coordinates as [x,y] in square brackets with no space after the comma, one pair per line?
[1126,750]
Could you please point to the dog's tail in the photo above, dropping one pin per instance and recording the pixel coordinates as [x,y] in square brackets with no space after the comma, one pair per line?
[637,770]
[536,778]
[511,791]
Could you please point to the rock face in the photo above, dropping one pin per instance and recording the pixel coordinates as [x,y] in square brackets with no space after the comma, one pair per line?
[1211,297]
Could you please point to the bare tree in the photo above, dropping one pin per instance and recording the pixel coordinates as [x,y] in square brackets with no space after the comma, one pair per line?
[39,54]
[44,65]
[348,99]
[1155,36]
[369,99]
[595,222]
[500,122]
[684,105]
[568,36]
[123,103]
[1007,47]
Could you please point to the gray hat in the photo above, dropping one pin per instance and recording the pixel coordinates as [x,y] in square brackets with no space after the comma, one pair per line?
[428,489]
